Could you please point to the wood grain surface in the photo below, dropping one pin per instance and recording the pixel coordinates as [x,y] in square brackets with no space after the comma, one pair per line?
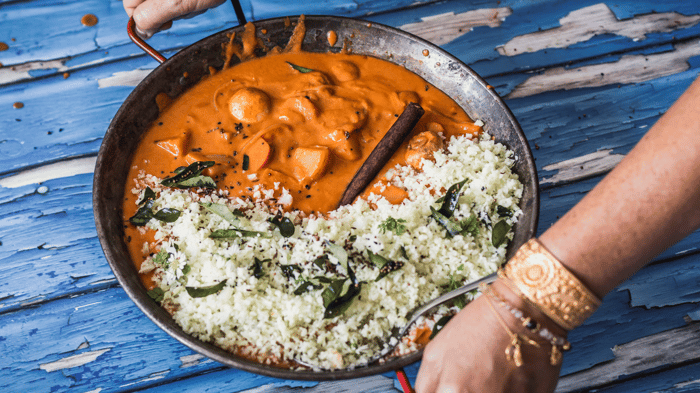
[585,79]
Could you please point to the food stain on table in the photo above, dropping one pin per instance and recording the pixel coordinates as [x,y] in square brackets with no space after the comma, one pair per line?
[89,20]
[332,37]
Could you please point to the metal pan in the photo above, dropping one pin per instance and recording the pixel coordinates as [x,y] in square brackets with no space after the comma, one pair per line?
[439,68]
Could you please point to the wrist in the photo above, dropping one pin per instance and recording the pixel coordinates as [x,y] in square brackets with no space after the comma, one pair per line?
[531,331]
[503,290]
[542,280]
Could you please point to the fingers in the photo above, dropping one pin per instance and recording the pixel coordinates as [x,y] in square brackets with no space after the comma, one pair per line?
[151,15]
[428,374]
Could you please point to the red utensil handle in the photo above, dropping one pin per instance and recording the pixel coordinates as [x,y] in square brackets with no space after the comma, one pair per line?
[131,30]
[403,380]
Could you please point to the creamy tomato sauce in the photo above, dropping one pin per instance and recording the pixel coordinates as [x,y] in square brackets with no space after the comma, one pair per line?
[300,121]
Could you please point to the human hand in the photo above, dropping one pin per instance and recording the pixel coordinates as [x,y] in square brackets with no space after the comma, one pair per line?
[152,16]
[468,355]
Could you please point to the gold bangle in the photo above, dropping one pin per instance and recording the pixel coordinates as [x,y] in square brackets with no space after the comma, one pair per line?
[546,283]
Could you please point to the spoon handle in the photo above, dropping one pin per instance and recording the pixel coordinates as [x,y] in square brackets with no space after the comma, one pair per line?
[450,295]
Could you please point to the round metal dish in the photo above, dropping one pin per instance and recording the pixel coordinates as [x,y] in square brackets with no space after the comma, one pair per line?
[438,68]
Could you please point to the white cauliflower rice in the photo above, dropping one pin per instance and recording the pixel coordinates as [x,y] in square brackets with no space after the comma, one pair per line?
[262,295]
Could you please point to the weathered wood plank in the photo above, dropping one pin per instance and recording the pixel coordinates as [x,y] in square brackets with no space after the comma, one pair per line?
[453,23]
[101,341]
[48,244]
[627,69]
[583,24]
[616,323]
[48,128]
[479,46]
[263,9]
[681,379]
[69,39]
[73,46]
[667,349]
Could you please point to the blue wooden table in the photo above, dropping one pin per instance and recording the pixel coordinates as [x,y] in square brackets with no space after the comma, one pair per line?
[584,78]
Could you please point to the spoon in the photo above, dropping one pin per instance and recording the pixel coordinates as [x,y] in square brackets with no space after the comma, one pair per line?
[396,333]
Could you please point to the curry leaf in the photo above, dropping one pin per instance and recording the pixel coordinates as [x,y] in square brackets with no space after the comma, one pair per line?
[257,268]
[156,294]
[167,214]
[451,200]
[205,291]
[377,260]
[321,261]
[307,286]
[148,195]
[340,304]
[301,69]
[334,291]
[453,228]
[439,325]
[385,266]
[225,234]
[322,279]
[143,215]
[221,210]
[197,182]
[284,224]
[288,270]
[339,253]
[236,233]
[499,232]
[404,254]
[503,211]
[192,171]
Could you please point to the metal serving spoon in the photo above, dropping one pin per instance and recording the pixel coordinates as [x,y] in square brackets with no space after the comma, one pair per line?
[396,333]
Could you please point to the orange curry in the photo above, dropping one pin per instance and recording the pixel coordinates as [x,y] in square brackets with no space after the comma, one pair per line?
[300,121]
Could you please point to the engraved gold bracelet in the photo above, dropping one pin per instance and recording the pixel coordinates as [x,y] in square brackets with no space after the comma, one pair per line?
[543,281]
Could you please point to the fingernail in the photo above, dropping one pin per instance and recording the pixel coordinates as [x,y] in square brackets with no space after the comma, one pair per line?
[144,34]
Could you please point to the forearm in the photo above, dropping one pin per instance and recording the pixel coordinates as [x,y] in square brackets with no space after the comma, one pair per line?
[648,202]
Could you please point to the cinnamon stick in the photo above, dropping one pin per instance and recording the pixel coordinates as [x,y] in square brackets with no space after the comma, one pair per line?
[386,148]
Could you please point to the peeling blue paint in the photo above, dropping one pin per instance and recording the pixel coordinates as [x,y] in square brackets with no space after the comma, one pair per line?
[56,286]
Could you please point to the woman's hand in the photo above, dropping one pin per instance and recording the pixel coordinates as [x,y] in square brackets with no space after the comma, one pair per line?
[468,355]
[151,16]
